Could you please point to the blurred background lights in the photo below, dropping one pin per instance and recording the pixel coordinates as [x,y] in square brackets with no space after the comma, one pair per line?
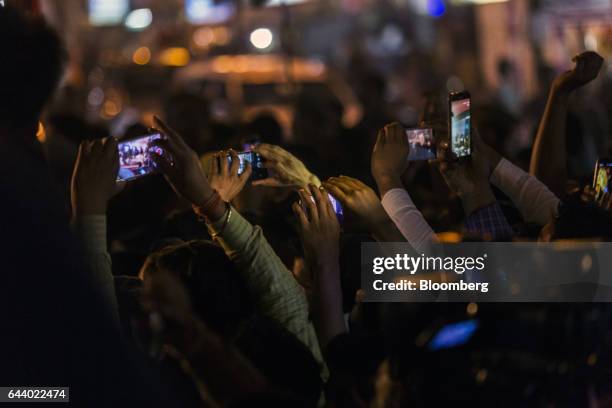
[139,19]
[261,38]
[107,12]
[174,57]
[435,8]
[203,37]
[142,56]
[96,96]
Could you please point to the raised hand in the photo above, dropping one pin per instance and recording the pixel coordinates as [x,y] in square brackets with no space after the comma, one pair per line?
[319,227]
[588,65]
[285,169]
[94,178]
[181,166]
[225,178]
[361,204]
[390,157]
[469,179]
[320,235]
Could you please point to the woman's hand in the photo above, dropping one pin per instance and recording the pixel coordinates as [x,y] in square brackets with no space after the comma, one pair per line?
[362,205]
[94,179]
[319,227]
[181,166]
[390,157]
[285,169]
[224,178]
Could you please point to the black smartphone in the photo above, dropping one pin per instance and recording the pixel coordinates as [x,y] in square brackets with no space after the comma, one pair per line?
[422,144]
[602,178]
[258,170]
[135,156]
[459,124]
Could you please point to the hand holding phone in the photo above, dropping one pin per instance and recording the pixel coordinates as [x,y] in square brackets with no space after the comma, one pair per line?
[389,157]
[94,177]
[336,206]
[259,172]
[459,123]
[285,170]
[229,174]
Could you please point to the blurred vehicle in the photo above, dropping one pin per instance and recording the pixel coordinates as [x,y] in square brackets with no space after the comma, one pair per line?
[243,86]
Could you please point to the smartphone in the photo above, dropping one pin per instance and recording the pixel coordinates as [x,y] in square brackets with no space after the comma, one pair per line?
[337,207]
[422,144]
[602,178]
[453,335]
[135,156]
[459,124]
[258,170]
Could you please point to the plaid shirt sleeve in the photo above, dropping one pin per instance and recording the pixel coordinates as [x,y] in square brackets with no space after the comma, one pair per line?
[489,224]
[276,292]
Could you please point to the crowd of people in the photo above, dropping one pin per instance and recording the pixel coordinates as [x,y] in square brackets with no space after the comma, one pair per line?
[200,287]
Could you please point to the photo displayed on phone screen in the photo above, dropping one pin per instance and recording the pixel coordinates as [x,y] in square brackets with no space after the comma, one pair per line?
[422,145]
[460,124]
[602,181]
[257,165]
[135,157]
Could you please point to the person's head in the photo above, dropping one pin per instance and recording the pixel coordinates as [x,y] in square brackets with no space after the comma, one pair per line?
[267,128]
[33,60]
[189,115]
[318,116]
[218,294]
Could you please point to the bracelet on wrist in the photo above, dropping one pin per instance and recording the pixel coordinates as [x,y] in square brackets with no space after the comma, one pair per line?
[203,211]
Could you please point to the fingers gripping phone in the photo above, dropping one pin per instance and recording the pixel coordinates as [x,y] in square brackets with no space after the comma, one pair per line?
[459,123]
[259,172]
[602,178]
[135,159]
[422,144]
[336,206]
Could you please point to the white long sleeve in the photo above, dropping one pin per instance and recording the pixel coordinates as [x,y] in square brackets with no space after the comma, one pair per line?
[536,203]
[408,219]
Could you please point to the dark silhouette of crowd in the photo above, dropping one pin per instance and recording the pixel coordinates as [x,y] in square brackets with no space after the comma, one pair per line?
[197,286]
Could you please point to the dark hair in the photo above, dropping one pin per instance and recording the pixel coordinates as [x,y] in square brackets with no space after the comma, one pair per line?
[218,294]
[32,63]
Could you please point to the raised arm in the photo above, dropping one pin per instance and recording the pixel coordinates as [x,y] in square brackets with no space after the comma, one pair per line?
[363,211]
[277,293]
[389,162]
[320,235]
[93,184]
[549,157]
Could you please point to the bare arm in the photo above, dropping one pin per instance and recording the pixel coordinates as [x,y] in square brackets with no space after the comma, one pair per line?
[549,157]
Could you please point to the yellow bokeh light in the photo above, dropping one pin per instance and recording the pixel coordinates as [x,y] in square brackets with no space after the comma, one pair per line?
[142,56]
[41,134]
[175,57]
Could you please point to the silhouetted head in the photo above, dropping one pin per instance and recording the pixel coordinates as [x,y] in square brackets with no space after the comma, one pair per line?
[218,294]
[33,60]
